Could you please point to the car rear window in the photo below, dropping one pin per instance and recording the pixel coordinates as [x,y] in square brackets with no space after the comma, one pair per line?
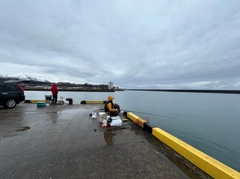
[9,87]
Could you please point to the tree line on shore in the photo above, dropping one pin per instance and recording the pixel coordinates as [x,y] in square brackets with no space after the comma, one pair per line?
[34,84]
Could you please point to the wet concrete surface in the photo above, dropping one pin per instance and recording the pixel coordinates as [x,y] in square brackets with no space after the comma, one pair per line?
[63,141]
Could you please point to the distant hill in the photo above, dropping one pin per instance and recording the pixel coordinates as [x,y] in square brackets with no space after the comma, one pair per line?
[24,78]
[32,83]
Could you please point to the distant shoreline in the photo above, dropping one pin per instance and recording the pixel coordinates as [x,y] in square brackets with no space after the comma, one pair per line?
[188,90]
[77,90]
[152,90]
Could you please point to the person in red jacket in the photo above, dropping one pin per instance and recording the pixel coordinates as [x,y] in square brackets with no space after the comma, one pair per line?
[54,90]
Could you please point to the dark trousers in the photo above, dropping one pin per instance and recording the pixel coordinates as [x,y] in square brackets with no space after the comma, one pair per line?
[113,113]
[54,100]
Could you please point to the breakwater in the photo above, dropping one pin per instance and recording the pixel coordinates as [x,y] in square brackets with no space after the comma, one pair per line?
[188,90]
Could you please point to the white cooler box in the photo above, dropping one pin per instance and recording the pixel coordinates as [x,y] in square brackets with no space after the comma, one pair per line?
[116,121]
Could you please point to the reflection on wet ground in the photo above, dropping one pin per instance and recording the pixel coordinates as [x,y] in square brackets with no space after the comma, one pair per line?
[109,137]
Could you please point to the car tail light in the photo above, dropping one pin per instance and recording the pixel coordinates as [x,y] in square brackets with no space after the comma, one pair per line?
[20,87]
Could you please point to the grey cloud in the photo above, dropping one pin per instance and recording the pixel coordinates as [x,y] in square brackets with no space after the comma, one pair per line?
[156,44]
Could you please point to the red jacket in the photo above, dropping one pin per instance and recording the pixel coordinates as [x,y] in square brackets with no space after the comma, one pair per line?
[54,89]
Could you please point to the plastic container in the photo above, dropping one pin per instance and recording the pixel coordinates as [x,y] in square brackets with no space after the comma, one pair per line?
[94,115]
[116,122]
[41,104]
[114,118]
[102,116]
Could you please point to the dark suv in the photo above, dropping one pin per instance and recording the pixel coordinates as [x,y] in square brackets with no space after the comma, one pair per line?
[11,94]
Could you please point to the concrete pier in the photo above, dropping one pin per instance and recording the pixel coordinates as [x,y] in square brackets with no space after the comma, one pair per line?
[63,141]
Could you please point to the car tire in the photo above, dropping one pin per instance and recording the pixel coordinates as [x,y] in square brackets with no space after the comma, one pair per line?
[10,103]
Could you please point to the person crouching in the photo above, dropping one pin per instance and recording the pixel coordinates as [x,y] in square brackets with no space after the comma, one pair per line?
[109,107]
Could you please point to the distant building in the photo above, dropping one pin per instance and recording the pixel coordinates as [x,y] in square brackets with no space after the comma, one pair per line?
[110,85]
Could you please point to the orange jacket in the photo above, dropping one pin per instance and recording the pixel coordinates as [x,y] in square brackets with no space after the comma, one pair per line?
[109,105]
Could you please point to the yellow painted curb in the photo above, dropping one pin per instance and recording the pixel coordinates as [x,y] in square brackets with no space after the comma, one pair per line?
[136,119]
[35,101]
[94,102]
[208,164]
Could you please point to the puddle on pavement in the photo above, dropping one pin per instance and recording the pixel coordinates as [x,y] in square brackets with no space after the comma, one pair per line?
[109,137]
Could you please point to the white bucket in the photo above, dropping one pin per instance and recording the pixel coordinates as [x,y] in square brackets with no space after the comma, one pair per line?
[116,122]
[114,118]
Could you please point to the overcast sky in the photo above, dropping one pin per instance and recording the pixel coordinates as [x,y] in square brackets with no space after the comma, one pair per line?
[187,44]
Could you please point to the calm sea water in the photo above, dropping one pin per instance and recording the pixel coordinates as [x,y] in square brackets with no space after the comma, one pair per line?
[209,122]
